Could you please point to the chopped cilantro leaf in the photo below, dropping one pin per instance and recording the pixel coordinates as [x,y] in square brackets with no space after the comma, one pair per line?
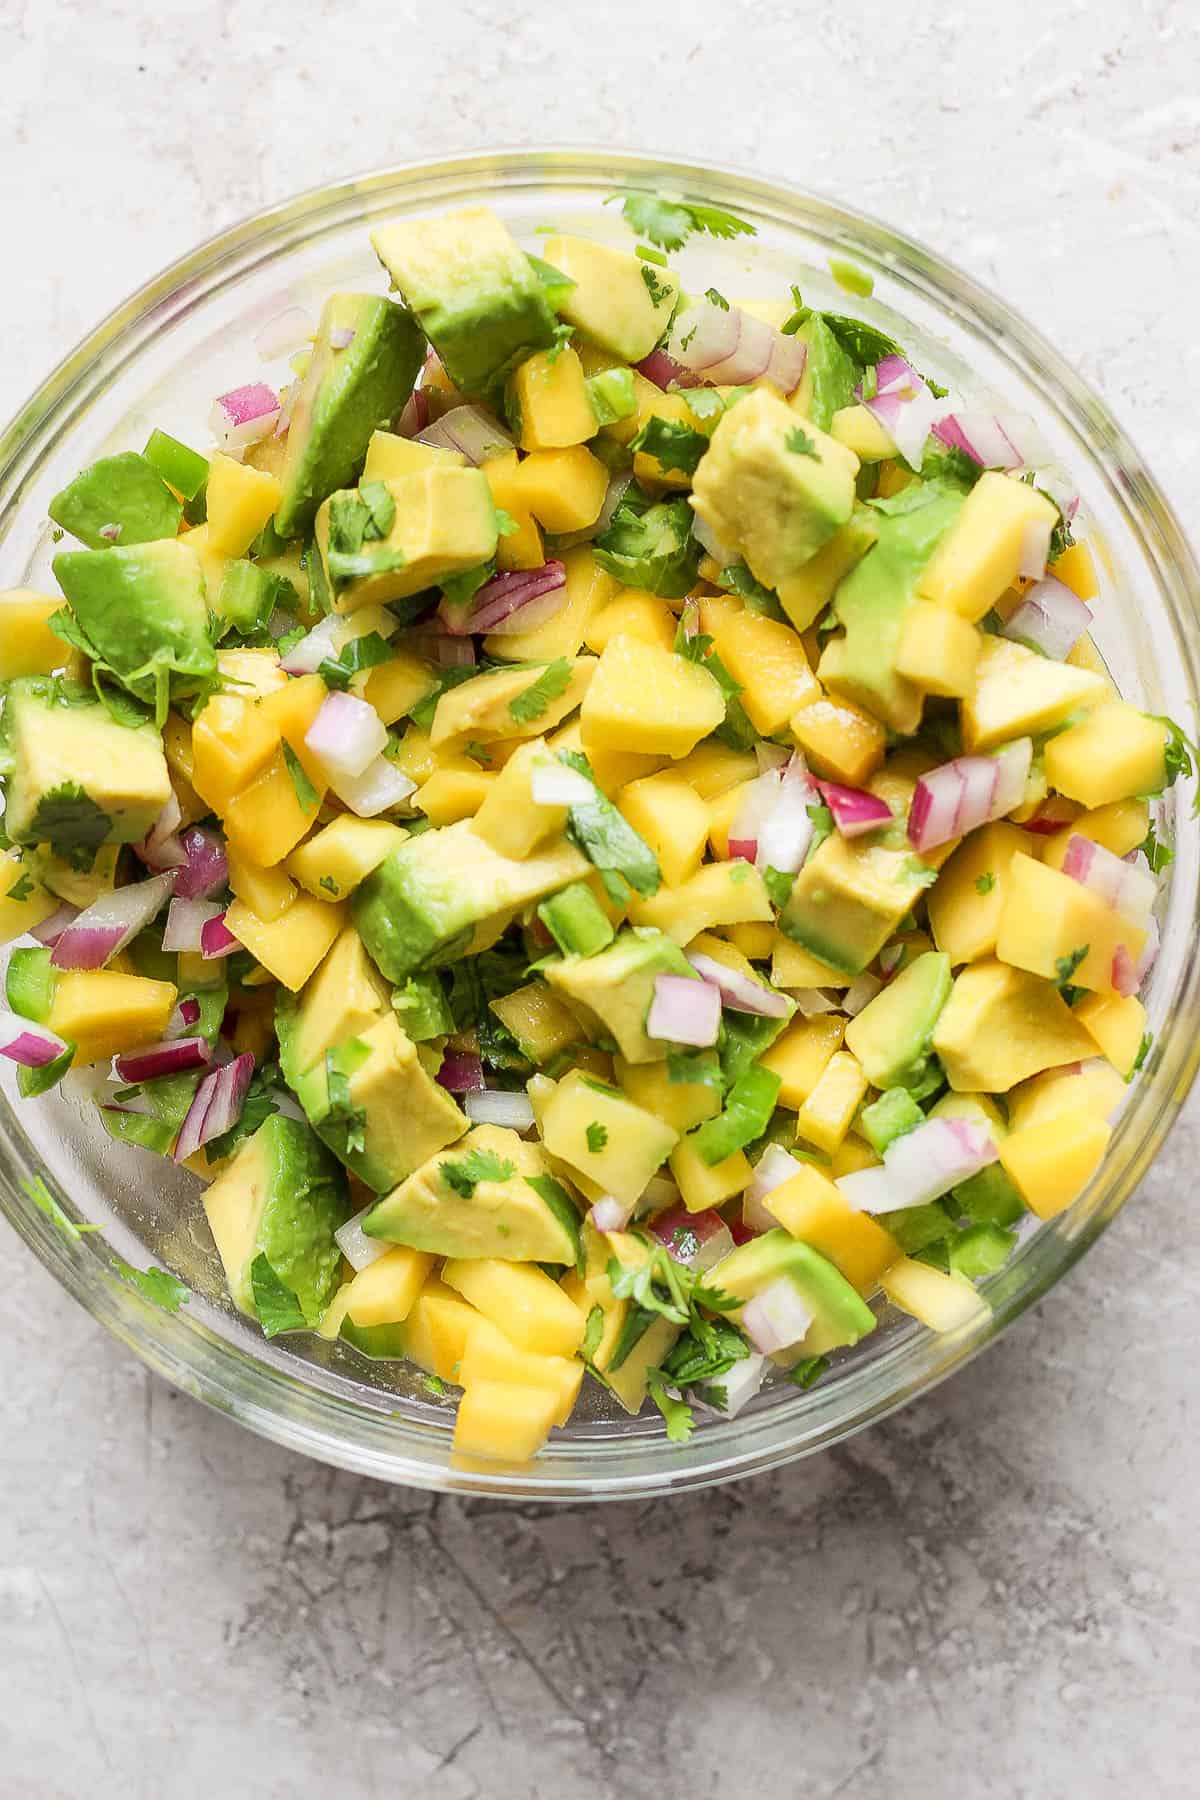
[669,223]
[465,1175]
[822,820]
[700,1067]
[679,1417]
[360,653]
[1157,854]
[71,823]
[1178,755]
[433,1384]
[22,887]
[736,578]
[330,885]
[307,797]
[1067,965]
[1144,1049]
[801,444]
[342,1112]
[716,298]
[506,525]
[985,883]
[479,753]
[532,701]
[277,1307]
[562,336]
[672,445]
[156,1285]
[811,1369]
[657,290]
[778,884]
[593,1332]
[597,1137]
[607,839]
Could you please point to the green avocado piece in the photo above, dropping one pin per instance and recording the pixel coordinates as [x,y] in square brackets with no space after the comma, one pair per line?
[872,603]
[118,500]
[613,991]
[490,1194]
[849,898]
[282,1197]
[76,778]
[447,893]
[365,359]
[343,999]
[830,376]
[891,1116]
[840,1316]
[29,983]
[479,300]
[145,612]
[382,1343]
[382,1115]
[891,1035]
[990,1197]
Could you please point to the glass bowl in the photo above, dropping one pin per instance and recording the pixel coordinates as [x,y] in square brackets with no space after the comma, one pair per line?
[189,335]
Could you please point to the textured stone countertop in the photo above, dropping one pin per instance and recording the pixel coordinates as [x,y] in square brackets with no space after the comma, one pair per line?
[994,1593]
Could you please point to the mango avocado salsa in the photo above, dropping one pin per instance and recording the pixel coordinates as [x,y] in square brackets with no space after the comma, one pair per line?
[592,822]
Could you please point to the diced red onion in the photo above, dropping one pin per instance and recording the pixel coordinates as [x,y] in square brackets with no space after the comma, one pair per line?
[684,1011]
[104,928]
[1035,548]
[921,1166]
[51,929]
[244,415]
[860,993]
[959,796]
[306,656]
[811,1002]
[288,331]
[702,531]
[739,1385]
[341,337]
[172,1057]
[618,485]
[1127,888]
[461,1072]
[904,406]
[787,831]
[1124,972]
[346,735]
[496,1106]
[161,848]
[186,920]
[359,1250]
[854,810]
[415,416]
[773,1168]
[1149,950]
[216,1106]
[505,595]
[470,430]
[737,991]
[725,344]
[184,1018]
[110,533]
[554,784]
[889,957]
[1050,618]
[440,648]
[664,371]
[30,1045]
[380,786]
[776,1318]
[207,866]
[287,405]
[216,939]
[697,1240]
[610,1214]
[982,436]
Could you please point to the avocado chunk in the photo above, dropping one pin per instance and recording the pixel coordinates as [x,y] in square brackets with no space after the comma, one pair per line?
[872,603]
[612,992]
[614,299]
[144,614]
[772,486]
[371,1100]
[75,778]
[347,393]
[830,376]
[478,298]
[446,893]
[344,998]
[279,1201]
[118,500]
[490,1194]
[389,539]
[849,898]
[840,1315]
[892,1033]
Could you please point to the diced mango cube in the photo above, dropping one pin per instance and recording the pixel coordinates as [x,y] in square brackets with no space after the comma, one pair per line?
[840,740]
[1047,919]
[103,1012]
[394,687]
[265,820]
[436,1330]
[943,1302]
[232,742]
[703,1185]
[508,817]
[452,794]
[541,1023]
[292,945]
[522,1301]
[523,548]
[756,942]
[1002,1025]
[267,892]
[27,644]
[670,815]
[385,1292]
[240,500]
[939,650]
[813,1209]
[504,1421]
[1076,567]
[768,660]
[1118,1025]
[490,1356]
[981,553]
[792,966]
[24,902]
[1053,1162]
[631,613]
[712,768]
[563,489]
[332,862]
[802,1054]
[966,901]
[1092,1086]
[646,699]
[1018,693]
[551,400]
[389,456]
[679,1104]
[826,1115]
[1113,754]
[729,893]
[1120,828]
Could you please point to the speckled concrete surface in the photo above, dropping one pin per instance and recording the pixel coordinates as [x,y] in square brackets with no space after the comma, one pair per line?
[992,1595]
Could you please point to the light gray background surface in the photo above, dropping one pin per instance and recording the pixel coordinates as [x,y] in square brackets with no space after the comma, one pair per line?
[994,1594]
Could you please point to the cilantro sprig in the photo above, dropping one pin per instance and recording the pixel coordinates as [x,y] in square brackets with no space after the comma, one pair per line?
[670,223]
[466,1172]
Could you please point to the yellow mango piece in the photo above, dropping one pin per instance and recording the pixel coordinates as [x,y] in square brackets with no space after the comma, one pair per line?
[522,1301]
[794,967]
[730,893]
[802,1054]
[385,1292]
[27,644]
[267,892]
[966,901]
[648,700]
[232,742]
[254,1028]
[805,595]
[813,1209]
[943,1302]
[415,755]
[332,862]
[611,302]
[1120,828]
[631,613]
[1001,1025]
[672,818]
[538,1019]
[713,768]
[1118,1026]
[939,650]
[892,479]
[1020,694]
[389,456]
[587,590]
[445,523]
[852,1153]
[840,741]
[490,1356]
[552,401]
[606,1137]
[24,902]
[452,794]
[679,1104]
[266,820]
[826,1115]
[1053,1162]
[756,942]
[1046,919]
[1113,754]
[702,1186]
[103,1012]
[290,946]
[437,1328]
[240,500]
[721,815]
[563,489]
[509,818]
[768,659]
[394,687]
[980,555]
[522,548]
[860,431]
[481,709]
[499,1420]
[1076,567]
[1089,1086]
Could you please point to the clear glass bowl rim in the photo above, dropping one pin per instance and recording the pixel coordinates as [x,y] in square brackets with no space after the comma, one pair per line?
[265,1396]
